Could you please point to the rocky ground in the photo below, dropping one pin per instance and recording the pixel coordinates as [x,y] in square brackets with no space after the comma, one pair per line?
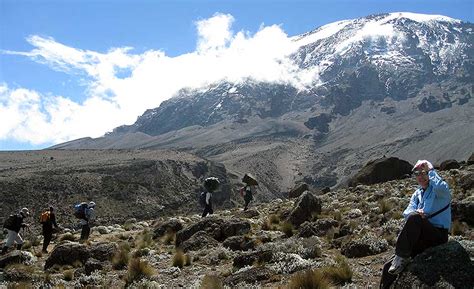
[343,235]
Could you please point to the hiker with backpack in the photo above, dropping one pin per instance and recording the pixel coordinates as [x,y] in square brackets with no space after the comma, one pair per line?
[210,184]
[86,213]
[13,224]
[248,190]
[48,220]
[427,221]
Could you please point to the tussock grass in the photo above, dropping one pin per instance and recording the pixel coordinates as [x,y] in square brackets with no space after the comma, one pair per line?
[145,240]
[68,275]
[457,228]
[121,257]
[287,228]
[339,274]
[308,279]
[211,282]
[137,270]
[384,206]
[180,259]
[169,238]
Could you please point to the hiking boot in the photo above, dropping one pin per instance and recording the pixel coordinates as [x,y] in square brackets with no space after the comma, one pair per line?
[398,264]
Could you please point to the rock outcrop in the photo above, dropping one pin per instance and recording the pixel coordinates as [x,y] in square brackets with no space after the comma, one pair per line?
[381,170]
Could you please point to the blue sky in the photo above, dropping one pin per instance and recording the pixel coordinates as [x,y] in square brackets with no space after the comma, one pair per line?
[71,69]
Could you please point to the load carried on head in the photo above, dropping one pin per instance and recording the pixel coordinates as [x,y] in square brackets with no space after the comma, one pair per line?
[249,180]
[211,184]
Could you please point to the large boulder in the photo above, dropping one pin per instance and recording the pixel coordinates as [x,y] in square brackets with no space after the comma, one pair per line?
[92,265]
[211,225]
[239,243]
[381,170]
[306,206]
[200,240]
[251,276]
[103,251]
[365,246]
[248,259]
[234,228]
[470,161]
[444,266]
[67,254]
[466,181]
[17,257]
[296,192]
[172,225]
[449,165]
[463,211]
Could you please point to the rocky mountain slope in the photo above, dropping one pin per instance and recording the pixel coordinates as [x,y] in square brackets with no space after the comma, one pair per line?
[398,84]
[142,184]
[344,235]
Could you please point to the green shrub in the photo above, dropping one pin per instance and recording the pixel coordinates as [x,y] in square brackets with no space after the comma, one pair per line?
[274,219]
[339,274]
[308,279]
[121,257]
[211,282]
[137,270]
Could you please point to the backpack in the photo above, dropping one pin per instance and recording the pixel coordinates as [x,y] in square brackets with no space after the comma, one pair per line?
[202,199]
[44,217]
[80,210]
[10,222]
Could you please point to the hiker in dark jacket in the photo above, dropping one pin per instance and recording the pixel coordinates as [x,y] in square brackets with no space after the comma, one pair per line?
[248,195]
[87,221]
[427,221]
[13,225]
[48,228]
[210,184]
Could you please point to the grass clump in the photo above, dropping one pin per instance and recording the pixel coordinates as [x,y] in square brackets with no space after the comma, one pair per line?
[384,206]
[308,279]
[287,228]
[121,257]
[339,274]
[169,238]
[179,259]
[68,275]
[67,237]
[457,228]
[211,282]
[145,240]
[138,270]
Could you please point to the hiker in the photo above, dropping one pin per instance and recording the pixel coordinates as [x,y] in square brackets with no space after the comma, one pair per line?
[427,221]
[48,220]
[13,224]
[86,220]
[248,190]
[210,184]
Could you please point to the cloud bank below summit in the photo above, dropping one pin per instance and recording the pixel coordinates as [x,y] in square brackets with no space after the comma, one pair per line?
[111,100]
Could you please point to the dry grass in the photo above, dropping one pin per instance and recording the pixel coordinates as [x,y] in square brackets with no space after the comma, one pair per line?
[67,237]
[339,274]
[457,228]
[121,257]
[287,228]
[137,270]
[211,282]
[384,206]
[68,275]
[145,240]
[308,279]
[178,259]
[169,238]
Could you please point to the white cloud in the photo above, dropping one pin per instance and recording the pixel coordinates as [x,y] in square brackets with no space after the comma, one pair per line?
[113,100]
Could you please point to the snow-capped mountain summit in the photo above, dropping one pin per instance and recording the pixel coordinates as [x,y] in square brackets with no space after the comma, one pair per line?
[388,84]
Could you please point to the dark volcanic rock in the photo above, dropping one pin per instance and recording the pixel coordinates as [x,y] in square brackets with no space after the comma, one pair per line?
[463,211]
[67,254]
[366,246]
[172,225]
[250,276]
[199,241]
[239,243]
[211,225]
[234,227]
[304,208]
[296,192]
[92,265]
[466,181]
[248,259]
[470,161]
[432,104]
[449,165]
[103,251]
[381,170]
[444,266]
[16,257]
